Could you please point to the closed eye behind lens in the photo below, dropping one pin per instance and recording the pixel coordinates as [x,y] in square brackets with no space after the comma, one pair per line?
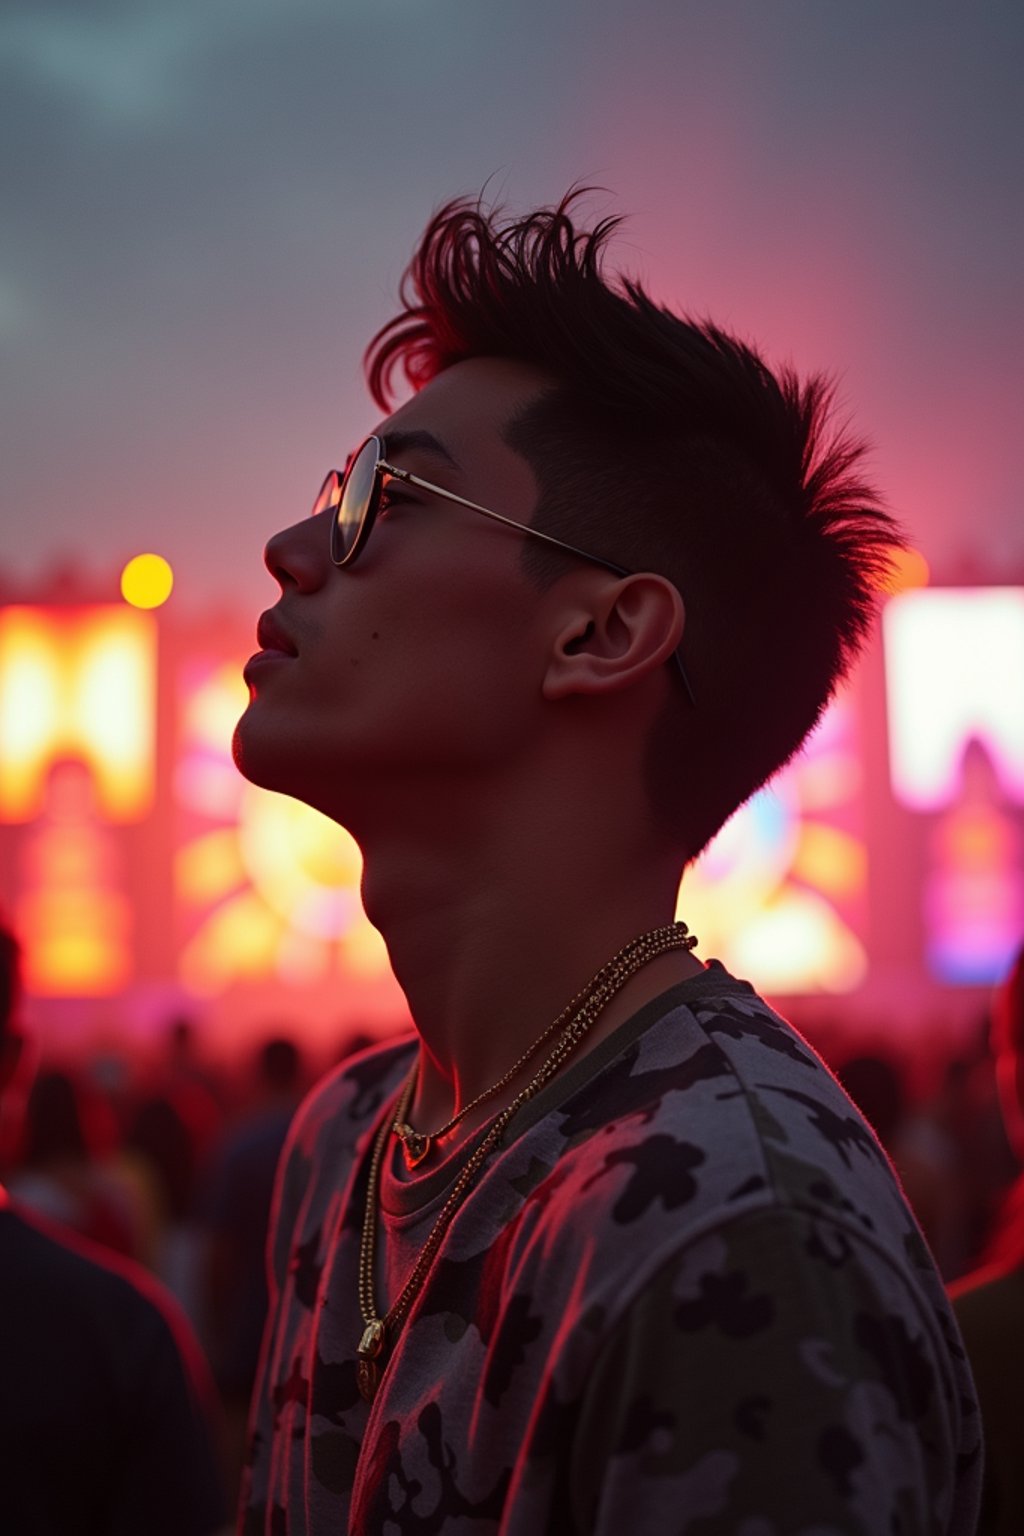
[393,495]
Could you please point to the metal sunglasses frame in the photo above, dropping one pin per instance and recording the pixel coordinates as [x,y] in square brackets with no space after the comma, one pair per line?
[382,467]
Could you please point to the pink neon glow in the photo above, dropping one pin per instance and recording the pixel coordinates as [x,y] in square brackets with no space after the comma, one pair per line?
[974,892]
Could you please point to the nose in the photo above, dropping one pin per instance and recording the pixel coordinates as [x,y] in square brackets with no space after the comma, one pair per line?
[299,556]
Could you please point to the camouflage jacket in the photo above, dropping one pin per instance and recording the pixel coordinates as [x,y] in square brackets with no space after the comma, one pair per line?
[685,1295]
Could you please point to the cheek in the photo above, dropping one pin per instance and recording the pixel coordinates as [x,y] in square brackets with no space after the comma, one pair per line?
[260,744]
[460,667]
[435,617]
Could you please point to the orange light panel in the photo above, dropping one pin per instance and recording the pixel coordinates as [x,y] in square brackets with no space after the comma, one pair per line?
[77,684]
[77,943]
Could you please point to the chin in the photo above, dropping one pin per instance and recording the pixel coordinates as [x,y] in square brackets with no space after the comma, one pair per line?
[271,763]
[253,764]
[239,755]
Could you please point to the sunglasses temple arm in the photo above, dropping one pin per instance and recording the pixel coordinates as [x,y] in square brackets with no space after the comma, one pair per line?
[474,506]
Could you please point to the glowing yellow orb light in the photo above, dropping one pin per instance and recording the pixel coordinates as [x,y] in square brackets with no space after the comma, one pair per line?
[146,581]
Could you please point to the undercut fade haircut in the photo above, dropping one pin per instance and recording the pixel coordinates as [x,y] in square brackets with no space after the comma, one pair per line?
[665,444]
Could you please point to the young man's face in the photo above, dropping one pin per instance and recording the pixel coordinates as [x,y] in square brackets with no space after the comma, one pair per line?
[420,664]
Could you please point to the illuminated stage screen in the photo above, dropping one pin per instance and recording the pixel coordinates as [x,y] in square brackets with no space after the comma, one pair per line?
[141,869]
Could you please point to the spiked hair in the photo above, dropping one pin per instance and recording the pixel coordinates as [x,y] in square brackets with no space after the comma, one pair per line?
[665,444]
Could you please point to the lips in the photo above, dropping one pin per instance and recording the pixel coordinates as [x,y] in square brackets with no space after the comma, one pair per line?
[270,636]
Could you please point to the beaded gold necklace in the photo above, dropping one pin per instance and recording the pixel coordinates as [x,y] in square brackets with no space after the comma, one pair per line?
[380,1332]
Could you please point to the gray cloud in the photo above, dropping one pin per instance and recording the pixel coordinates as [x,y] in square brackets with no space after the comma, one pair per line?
[207,205]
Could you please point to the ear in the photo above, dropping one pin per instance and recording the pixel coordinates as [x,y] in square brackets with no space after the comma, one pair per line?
[618,632]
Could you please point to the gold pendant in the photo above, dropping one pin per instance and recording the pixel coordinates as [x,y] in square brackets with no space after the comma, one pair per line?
[371,1351]
[368,1379]
[414,1146]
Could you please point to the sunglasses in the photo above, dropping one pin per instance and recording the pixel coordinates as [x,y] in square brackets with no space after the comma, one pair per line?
[353,499]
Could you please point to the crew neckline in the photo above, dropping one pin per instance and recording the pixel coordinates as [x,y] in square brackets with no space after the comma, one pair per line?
[402,1199]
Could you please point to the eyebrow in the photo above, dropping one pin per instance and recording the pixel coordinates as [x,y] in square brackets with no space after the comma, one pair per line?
[421,442]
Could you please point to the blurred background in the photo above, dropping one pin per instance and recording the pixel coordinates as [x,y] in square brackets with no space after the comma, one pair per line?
[207,206]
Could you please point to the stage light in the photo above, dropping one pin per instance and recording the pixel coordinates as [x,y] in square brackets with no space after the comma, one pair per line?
[778,895]
[954,659]
[146,581]
[78,684]
[276,891]
[909,570]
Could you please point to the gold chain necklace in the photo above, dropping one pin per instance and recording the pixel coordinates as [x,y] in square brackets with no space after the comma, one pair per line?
[416,1145]
[379,1332]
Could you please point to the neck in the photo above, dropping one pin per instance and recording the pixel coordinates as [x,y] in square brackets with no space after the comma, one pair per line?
[490,936]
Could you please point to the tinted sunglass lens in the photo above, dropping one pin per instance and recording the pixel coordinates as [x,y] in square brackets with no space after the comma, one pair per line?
[355,500]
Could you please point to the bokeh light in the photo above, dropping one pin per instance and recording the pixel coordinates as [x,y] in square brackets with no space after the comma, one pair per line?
[146,581]
[77,683]
[909,569]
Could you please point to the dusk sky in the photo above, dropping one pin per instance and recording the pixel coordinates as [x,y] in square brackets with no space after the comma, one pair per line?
[207,205]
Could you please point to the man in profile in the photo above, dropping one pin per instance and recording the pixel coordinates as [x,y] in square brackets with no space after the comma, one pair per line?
[603,1247]
[105,1418]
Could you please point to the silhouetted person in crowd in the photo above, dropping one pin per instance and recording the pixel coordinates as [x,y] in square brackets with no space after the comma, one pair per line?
[158,1134]
[989,1303]
[162,1146]
[603,1248]
[62,1171]
[876,1085]
[194,1087]
[235,1215]
[104,1408]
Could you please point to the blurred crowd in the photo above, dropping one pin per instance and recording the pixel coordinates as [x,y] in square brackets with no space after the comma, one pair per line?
[169,1164]
[159,1169]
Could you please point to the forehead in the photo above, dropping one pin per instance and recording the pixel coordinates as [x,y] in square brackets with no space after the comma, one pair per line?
[468,406]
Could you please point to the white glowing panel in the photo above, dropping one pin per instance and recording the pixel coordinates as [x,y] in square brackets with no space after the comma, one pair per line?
[954,667]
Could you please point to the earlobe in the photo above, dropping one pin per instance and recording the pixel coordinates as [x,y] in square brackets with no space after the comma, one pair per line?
[628,630]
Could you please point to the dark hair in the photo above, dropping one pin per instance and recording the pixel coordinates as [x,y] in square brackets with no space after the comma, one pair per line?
[665,444]
[280,1064]
[877,1086]
[55,1121]
[160,1135]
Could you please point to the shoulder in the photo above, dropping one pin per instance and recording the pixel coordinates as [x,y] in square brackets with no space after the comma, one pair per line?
[46,1260]
[717,1146]
[104,1396]
[765,1361]
[703,1043]
[112,1311]
[716,1107]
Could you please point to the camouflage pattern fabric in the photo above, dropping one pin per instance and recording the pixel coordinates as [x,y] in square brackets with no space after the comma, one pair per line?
[685,1296]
